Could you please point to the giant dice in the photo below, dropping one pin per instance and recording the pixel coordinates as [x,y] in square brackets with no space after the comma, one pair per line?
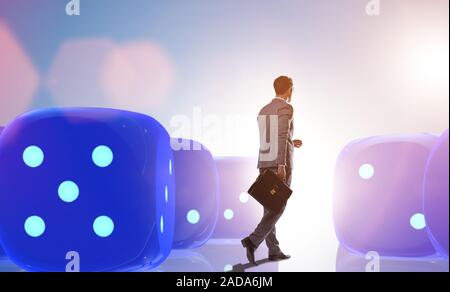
[239,214]
[86,189]
[436,195]
[197,193]
[378,195]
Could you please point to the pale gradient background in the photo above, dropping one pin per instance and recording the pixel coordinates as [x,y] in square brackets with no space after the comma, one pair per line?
[214,62]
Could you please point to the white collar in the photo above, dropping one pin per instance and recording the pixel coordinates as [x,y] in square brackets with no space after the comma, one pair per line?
[277,97]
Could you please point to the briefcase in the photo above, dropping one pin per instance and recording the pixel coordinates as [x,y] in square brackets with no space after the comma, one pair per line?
[270,191]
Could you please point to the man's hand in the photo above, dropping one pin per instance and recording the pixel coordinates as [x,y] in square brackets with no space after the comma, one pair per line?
[298,143]
[282,172]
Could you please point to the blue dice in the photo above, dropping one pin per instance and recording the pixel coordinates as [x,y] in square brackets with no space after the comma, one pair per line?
[436,195]
[197,193]
[86,189]
[378,204]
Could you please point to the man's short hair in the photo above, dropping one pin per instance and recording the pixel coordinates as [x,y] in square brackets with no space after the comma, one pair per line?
[282,84]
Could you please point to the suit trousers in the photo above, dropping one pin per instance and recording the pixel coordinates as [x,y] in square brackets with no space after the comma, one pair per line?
[266,229]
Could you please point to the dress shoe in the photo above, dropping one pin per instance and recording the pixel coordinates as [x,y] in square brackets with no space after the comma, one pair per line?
[279,257]
[247,244]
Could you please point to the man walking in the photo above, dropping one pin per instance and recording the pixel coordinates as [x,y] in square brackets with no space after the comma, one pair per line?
[281,162]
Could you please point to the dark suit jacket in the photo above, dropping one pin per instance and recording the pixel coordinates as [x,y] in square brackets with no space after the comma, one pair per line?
[276,127]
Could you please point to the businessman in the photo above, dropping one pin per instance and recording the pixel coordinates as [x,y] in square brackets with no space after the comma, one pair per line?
[276,117]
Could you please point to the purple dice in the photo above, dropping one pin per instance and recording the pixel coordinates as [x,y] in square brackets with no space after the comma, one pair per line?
[378,195]
[436,195]
[197,193]
[239,213]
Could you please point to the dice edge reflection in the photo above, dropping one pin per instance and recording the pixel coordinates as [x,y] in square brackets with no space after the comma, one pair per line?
[437,245]
[348,261]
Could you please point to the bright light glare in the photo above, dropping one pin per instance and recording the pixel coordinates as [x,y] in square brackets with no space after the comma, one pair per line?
[430,65]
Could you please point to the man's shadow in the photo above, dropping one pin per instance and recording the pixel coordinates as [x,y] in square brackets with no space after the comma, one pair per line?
[240,268]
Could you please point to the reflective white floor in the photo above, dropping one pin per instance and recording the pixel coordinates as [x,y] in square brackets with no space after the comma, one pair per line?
[348,262]
[228,255]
